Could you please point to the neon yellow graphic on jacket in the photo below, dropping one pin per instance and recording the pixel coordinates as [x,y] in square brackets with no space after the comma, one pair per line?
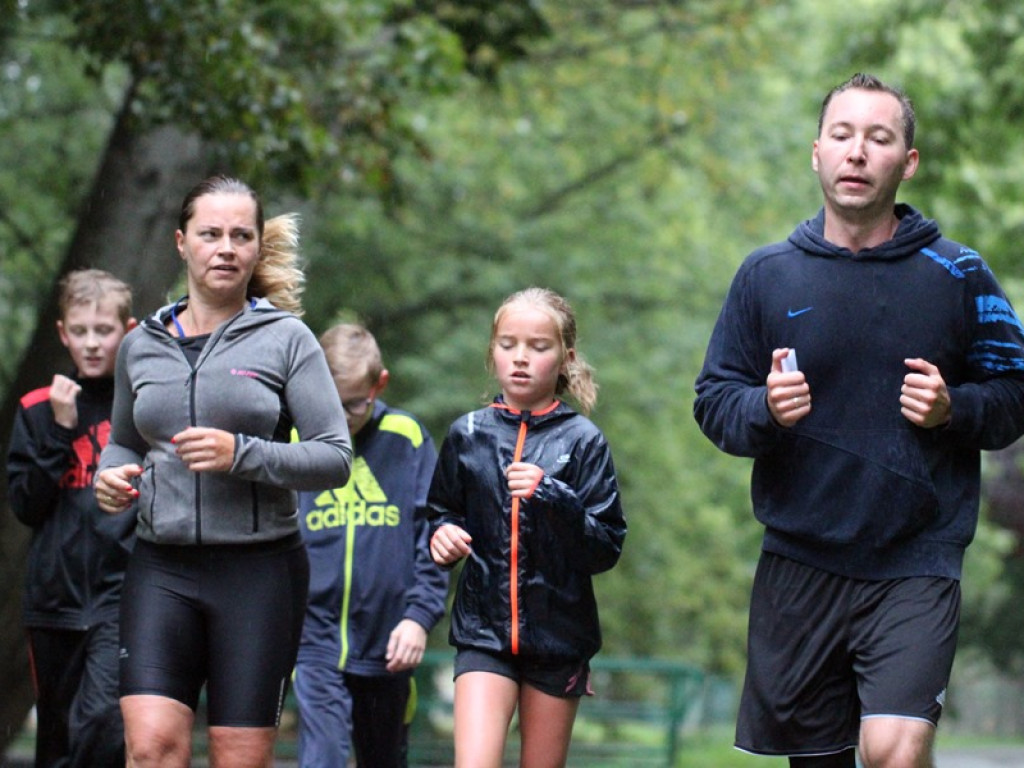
[402,425]
[361,502]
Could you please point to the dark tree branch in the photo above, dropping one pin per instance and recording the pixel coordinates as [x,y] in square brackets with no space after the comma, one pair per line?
[557,198]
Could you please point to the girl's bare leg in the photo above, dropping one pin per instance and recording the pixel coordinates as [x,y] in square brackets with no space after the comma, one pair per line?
[484,704]
[545,725]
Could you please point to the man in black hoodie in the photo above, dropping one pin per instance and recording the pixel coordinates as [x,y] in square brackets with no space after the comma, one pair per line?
[866,448]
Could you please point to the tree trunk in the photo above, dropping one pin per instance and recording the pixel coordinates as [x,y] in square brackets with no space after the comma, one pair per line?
[125,226]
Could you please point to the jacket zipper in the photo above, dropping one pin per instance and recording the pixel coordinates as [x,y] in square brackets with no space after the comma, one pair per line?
[255,508]
[190,382]
[92,432]
[346,597]
[513,580]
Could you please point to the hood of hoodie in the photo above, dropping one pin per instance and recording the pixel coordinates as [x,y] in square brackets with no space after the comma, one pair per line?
[256,312]
[913,233]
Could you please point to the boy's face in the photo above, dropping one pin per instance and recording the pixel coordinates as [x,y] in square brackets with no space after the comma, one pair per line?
[92,334]
[357,396]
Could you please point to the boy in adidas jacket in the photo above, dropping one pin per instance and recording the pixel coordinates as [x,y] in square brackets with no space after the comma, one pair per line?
[374,591]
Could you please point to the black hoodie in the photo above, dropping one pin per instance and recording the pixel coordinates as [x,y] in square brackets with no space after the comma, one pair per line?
[78,553]
[854,488]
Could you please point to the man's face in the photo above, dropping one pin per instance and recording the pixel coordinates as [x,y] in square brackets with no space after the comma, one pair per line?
[92,334]
[861,157]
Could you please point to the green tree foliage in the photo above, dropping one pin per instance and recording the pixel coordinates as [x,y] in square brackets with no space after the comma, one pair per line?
[54,120]
[291,96]
[630,161]
[285,90]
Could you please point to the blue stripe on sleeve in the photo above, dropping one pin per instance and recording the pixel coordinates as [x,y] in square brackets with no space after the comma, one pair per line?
[997,355]
[996,309]
[943,262]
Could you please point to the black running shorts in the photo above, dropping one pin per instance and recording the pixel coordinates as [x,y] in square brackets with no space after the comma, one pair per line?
[826,651]
[227,616]
[564,678]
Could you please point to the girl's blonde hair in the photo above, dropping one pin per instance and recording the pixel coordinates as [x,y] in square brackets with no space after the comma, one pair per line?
[278,276]
[577,377]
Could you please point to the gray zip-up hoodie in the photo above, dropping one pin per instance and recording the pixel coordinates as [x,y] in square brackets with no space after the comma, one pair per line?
[259,375]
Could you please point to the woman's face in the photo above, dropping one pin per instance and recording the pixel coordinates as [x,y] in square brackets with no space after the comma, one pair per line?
[220,246]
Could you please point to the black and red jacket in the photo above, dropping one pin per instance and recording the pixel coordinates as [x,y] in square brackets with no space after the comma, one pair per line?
[78,553]
[526,587]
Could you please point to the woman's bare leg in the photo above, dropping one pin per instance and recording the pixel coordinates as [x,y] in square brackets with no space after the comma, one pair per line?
[157,732]
[232,747]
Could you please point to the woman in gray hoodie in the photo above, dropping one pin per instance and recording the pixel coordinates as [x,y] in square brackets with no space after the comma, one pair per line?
[207,393]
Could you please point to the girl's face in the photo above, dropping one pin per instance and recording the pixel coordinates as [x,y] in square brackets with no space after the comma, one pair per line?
[220,246]
[528,357]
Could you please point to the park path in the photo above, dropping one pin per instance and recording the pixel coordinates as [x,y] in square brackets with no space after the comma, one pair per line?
[981,757]
[978,757]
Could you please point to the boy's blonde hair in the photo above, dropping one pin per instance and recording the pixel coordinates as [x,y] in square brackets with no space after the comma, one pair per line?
[578,378]
[348,348]
[91,286]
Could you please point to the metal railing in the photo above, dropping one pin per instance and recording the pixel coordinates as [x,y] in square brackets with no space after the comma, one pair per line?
[636,717]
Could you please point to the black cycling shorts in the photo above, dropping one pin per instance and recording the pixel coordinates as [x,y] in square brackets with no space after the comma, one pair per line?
[227,616]
[826,651]
[564,678]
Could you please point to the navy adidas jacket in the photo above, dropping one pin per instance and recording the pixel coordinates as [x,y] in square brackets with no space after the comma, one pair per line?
[78,553]
[854,488]
[526,588]
[368,548]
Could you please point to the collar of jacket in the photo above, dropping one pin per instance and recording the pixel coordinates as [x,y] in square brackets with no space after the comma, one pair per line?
[557,409]
[913,233]
[257,312]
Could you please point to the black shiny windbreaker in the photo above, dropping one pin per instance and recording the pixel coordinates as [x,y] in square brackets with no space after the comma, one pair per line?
[526,587]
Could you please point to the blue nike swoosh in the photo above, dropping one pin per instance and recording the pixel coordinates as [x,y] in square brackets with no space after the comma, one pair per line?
[798,312]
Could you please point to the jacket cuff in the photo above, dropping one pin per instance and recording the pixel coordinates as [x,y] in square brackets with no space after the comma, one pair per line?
[421,617]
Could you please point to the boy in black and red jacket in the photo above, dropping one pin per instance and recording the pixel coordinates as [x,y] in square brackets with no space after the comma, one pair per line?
[78,554]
